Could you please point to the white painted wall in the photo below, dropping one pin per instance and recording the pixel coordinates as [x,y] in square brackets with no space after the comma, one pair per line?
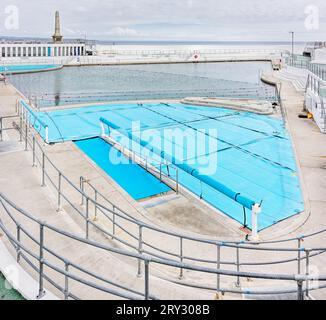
[320,56]
[314,106]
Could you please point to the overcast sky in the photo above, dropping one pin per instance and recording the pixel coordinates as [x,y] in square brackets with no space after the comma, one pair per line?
[207,20]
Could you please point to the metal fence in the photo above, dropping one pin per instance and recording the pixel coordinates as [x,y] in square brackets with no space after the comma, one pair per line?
[166,52]
[316,69]
[138,240]
[259,92]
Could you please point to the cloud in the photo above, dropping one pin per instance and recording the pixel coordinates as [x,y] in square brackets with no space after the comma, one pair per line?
[169,19]
[124,32]
[81,9]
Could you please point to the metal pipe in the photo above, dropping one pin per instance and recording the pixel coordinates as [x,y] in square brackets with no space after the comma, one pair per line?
[87,218]
[43,169]
[33,150]
[238,267]
[59,192]
[256,210]
[218,267]
[26,136]
[66,291]
[146,280]
[18,242]
[41,293]
[1,126]
[81,181]
[300,290]
[21,128]
[140,250]
[299,255]
[307,271]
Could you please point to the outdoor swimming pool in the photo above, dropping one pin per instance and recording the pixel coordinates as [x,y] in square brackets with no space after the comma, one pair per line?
[27,68]
[146,82]
[131,177]
[239,158]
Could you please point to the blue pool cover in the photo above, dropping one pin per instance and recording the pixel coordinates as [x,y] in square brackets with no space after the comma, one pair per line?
[27,68]
[131,177]
[253,157]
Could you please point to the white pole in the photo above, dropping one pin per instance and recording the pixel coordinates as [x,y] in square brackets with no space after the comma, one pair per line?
[256,210]
[103,129]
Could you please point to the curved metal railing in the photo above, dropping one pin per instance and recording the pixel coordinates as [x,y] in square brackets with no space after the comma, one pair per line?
[28,255]
[131,232]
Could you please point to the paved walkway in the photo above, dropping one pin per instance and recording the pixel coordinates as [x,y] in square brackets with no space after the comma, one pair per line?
[25,190]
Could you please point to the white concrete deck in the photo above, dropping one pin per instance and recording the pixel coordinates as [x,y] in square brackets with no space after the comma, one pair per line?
[25,190]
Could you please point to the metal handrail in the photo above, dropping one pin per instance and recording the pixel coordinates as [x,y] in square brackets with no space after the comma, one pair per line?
[20,247]
[219,244]
[2,129]
[192,259]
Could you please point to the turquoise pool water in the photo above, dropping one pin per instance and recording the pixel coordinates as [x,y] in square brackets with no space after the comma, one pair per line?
[253,156]
[27,68]
[131,177]
[121,83]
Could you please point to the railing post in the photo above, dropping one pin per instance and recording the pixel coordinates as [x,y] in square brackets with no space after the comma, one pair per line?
[43,169]
[218,267]
[87,218]
[299,255]
[33,151]
[18,244]
[177,181]
[256,210]
[140,250]
[21,127]
[181,258]
[0,128]
[82,189]
[307,271]
[146,280]
[41,293]
[300,290]
[26,135]
[238,267]
[66,292]
[59,192]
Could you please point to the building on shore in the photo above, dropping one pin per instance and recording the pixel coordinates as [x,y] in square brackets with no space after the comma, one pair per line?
[55,48]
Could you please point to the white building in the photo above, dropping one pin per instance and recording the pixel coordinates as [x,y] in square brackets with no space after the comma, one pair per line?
[39,49]
[31,49]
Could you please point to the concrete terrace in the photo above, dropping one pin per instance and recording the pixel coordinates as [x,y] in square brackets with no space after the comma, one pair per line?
[182,214]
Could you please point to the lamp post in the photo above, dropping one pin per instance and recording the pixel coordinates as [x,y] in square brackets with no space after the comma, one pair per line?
[292,34]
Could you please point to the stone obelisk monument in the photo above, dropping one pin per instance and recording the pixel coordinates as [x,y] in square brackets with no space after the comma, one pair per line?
[57,37]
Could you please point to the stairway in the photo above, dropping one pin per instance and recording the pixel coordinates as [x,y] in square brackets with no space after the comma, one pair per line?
[298,77]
